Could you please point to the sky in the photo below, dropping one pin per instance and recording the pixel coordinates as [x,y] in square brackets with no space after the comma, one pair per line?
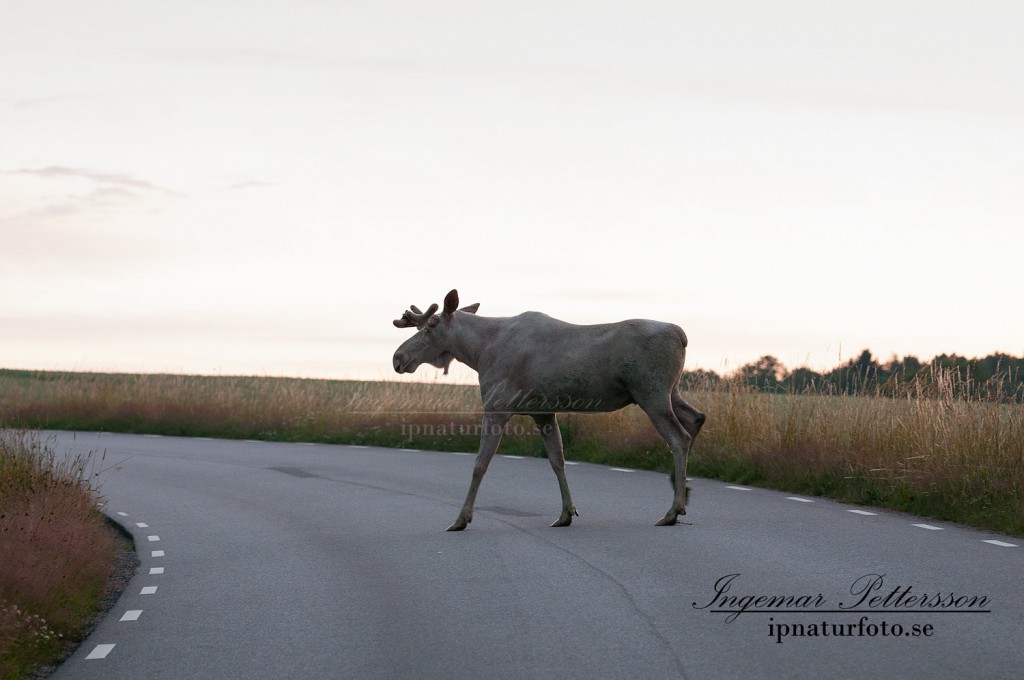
[227,187]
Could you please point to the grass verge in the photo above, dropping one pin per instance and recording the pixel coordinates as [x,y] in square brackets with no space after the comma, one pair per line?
[924,451]
[56,554]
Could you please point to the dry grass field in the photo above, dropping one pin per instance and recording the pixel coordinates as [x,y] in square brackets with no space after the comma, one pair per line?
[924,451]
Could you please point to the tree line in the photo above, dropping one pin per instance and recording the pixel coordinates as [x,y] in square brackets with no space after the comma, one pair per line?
[995,377]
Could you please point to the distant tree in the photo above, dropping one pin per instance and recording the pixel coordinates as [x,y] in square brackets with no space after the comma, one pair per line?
[997,377]
[896,375]
[765,374]
[905,368]
[857,376]
[803,380]
[700,379]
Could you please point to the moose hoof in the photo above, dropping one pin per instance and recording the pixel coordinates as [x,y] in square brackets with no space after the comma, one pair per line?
[458,525]
[666,521]
[566,518]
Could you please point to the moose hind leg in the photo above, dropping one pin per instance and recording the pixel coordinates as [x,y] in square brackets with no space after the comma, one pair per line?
[490,437]
[690,418]
[553,445]
[679,441]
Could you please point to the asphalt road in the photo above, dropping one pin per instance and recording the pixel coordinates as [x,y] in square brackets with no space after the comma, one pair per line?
[264,560]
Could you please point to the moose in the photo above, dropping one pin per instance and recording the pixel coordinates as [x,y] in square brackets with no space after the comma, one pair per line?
[535,365]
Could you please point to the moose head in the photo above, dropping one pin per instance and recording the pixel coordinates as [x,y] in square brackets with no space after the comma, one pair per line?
[433,341]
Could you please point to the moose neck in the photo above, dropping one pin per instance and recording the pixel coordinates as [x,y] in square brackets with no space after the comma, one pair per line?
[470,337]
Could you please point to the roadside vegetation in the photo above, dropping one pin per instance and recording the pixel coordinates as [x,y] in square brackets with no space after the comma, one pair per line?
[935,445]
[56,553]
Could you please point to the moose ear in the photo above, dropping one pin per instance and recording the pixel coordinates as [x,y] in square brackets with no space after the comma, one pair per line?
[471,309]
[451,302]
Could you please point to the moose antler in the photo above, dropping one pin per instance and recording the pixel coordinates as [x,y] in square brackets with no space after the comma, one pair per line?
[414,317]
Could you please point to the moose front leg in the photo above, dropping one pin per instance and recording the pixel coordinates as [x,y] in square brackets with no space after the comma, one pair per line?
[553,445]
[490,437]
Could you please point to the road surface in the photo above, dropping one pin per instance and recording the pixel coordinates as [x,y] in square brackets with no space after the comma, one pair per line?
[262,560]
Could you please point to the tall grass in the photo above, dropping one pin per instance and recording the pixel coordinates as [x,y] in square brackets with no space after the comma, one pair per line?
[56,552]
[280,409]
[925,450]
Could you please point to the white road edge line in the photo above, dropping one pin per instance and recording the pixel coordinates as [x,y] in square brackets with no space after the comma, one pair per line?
[148,590]
[157,553]
[798,499]
[156,570]
[572,462]
[927,526]
[100,652]
[615,469]
[122,514]
[739,488]
[1001,544]
[863,512]
[514,457]
[152,538]
[131,615]
[142,525]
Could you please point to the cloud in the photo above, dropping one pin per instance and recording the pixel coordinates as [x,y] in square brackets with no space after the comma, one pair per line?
[249,184]
[264,58]
[104,178]
[69,219]
[52,100]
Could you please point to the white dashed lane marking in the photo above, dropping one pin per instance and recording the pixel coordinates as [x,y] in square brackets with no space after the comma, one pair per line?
[866,513]
[100,652]
[621,469]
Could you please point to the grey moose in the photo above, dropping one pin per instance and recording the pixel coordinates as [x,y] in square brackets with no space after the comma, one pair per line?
[532,364]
